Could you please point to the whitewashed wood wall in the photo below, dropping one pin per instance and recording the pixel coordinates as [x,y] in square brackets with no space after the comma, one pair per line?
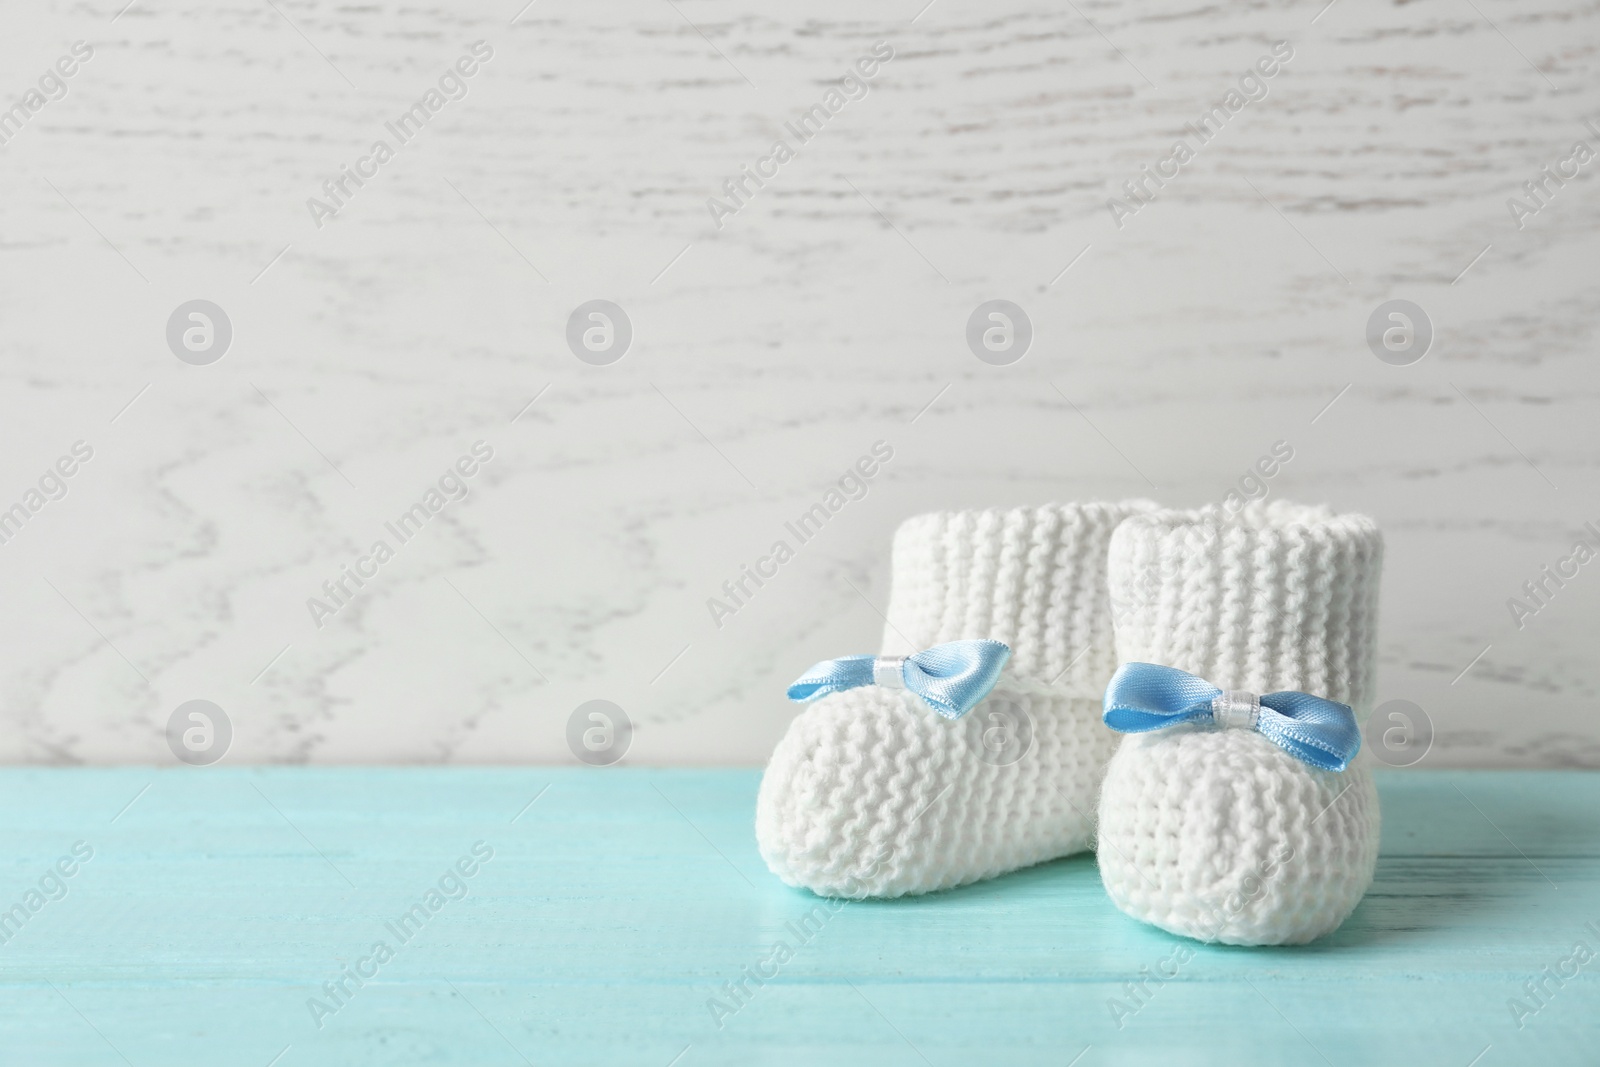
[828,313]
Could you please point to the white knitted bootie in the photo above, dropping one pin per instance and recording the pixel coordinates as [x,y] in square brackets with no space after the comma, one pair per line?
[871,793]
[1216,833]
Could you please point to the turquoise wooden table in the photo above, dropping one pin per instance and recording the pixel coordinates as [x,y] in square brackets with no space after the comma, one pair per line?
[614,916]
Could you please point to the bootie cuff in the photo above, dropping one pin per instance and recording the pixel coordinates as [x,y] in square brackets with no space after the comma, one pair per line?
[1034,578]
[1280,596]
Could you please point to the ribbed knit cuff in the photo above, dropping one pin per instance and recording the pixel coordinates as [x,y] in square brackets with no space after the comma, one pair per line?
[1280,596]
[1034,578]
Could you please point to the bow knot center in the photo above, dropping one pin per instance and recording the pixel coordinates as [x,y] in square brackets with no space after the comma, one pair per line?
[1236,709]
[889,672]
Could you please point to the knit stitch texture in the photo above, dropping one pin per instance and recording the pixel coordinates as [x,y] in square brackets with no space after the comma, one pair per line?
[1218,834]
[870,793]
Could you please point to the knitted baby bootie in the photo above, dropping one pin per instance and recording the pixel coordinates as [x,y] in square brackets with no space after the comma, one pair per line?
[1227,822]
[874,793]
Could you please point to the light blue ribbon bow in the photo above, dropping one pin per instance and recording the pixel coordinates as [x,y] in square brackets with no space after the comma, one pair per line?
[1148,696]
[950,678]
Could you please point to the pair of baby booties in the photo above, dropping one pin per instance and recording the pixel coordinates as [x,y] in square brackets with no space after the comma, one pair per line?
[1214,834]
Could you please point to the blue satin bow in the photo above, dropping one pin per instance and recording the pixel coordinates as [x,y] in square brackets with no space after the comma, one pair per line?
[950,678]
[1148,696]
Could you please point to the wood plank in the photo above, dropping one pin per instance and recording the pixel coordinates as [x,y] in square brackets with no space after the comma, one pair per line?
[618,906]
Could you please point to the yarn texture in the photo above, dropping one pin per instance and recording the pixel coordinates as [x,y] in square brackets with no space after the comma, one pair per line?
[1218,834]
[871,794]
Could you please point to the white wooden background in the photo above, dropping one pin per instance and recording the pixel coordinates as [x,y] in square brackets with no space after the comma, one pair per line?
[369,354]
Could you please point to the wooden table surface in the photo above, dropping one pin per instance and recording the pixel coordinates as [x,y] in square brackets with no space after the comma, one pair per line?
[607,911]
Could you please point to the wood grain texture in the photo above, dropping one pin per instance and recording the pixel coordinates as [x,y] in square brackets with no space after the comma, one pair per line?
[769,354]
[621,902]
